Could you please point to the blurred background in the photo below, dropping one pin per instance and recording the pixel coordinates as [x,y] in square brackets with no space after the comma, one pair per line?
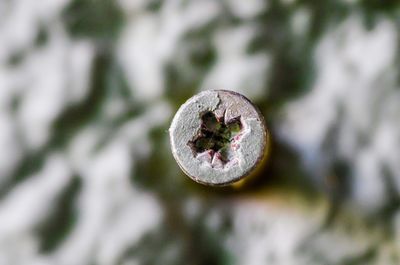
[88,89]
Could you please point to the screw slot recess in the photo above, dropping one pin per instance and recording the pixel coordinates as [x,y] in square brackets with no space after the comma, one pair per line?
[217,138]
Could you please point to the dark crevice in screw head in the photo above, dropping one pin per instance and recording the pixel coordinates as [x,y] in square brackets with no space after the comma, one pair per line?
[216,136]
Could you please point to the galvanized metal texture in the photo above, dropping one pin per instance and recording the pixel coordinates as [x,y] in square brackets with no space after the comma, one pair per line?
[218,137]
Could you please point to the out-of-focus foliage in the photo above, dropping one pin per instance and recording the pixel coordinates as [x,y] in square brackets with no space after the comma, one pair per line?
[87,92]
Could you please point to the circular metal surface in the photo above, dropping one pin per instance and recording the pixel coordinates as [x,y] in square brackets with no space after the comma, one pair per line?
[218,137]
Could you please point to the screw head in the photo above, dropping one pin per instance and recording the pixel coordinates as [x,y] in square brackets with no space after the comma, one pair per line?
[218,137]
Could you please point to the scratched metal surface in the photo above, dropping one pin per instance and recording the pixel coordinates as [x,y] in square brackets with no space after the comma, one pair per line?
[88,90]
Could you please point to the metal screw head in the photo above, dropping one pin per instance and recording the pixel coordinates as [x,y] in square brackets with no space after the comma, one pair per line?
[218,137]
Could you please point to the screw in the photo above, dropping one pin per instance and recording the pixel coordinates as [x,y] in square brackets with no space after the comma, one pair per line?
[218,137]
